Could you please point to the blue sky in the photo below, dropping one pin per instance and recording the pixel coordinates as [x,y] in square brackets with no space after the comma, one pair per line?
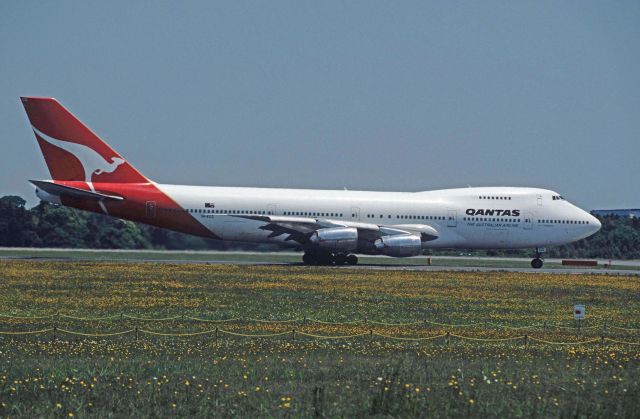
[401,96]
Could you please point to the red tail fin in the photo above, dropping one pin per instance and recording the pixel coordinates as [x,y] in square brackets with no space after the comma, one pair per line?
[72,151]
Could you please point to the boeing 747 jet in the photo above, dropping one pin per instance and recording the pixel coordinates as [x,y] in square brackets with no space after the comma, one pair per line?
[331,226]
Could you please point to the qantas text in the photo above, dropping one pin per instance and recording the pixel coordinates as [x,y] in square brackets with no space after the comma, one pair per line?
[496,212]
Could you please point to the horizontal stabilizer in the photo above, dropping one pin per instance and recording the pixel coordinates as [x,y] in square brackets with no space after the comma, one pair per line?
[62,190]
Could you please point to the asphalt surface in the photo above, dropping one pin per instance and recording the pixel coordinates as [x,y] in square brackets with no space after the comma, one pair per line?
[211,259]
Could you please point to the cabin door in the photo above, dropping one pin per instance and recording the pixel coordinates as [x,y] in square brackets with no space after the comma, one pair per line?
[528,221]
[151,209]
[452,218]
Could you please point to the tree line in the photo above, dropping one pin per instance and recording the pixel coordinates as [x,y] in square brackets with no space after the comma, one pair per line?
[47,225]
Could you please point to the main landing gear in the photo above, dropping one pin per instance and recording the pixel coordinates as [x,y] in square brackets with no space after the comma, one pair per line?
[537,261]
[326,258]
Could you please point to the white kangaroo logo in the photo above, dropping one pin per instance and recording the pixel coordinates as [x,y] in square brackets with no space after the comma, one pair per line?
[92,162]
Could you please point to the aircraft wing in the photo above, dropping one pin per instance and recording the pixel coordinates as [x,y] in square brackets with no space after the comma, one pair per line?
[300,229]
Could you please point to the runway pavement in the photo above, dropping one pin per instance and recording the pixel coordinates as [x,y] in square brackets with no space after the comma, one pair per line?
[440,263]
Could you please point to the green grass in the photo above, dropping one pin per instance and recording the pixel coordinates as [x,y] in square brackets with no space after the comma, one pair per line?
[238,376]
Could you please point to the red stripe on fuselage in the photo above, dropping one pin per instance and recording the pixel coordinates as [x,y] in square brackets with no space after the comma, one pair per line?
[137,205]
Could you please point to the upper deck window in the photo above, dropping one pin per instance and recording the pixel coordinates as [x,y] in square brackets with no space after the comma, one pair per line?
[506,198]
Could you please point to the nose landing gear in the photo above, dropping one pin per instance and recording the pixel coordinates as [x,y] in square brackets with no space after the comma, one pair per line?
[537,261]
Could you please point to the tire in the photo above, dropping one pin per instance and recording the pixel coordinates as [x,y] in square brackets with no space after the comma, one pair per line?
[308,259]
[340,259]
[352,260]
[537,263]
[327,260]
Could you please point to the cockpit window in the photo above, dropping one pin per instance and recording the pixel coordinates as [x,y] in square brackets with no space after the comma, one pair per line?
[558,198]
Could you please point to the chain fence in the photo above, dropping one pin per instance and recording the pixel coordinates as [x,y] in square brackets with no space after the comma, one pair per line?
[218,332]
[293,333]
[183,317]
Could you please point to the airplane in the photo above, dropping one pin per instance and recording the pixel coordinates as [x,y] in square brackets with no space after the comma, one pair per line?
[330,226]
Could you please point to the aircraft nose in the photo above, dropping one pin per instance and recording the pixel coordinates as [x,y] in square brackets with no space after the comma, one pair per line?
[597,225]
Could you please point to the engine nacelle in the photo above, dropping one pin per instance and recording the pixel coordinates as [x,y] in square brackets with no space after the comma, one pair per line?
[336,239]
[399,245]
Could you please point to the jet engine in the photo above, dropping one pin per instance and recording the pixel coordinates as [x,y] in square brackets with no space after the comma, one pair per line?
[336,239]
[399,245]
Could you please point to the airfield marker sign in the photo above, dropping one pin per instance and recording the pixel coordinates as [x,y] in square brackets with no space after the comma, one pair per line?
[579,314]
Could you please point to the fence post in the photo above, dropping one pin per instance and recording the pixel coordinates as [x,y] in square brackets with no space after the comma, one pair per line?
[526,341]
[544,327]
[448,339]
[366,320]
[602,340]
[304,320]
[370,334]
[121,316]
[215,336]
[55,329]
[293,335]
[136,333]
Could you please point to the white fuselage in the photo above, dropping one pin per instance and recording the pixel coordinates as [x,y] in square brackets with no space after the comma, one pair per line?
[483,218]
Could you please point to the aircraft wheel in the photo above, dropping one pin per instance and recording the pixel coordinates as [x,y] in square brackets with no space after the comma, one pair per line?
[537,263]
[340,259]
[326,259]
[352,260]
[308,259]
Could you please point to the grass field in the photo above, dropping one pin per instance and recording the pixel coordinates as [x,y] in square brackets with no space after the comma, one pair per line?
[295,374]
